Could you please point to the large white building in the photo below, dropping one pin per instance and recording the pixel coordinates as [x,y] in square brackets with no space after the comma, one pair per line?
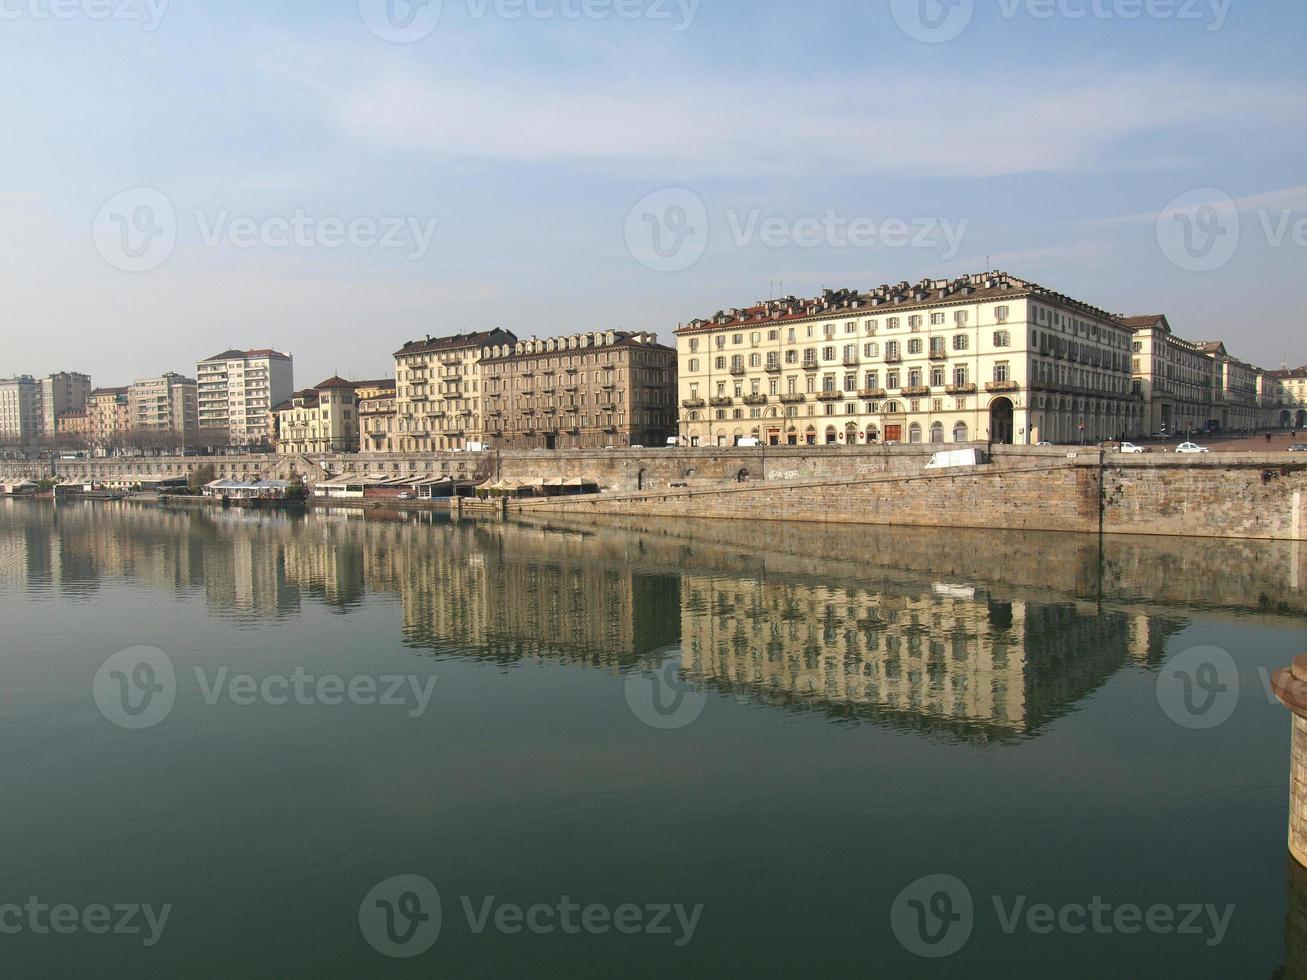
[237,391]
[986,357]
[1175,377]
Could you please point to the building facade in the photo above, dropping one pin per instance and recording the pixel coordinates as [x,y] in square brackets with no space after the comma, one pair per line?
[1287,398]
[61,394]
[1175,377]
[587,391]
[164,409]
[323,419]
[438,390]
[108,418]
[237,390]
[20,411]
[983,357]
[1236,391]
[376,404]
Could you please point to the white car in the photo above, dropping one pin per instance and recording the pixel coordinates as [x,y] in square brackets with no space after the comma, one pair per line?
[1130,447]
[1191,447]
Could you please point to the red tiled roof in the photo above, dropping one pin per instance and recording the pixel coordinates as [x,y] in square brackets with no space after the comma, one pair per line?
[335,382]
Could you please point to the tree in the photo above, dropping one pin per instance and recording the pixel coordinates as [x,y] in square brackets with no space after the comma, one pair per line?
[202,476]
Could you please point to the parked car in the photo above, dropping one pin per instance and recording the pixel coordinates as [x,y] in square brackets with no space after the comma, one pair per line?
[1043,444]
[1130,447]
[1191,447]
[1298,447]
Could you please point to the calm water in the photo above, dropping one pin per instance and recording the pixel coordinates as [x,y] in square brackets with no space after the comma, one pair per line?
[745,745]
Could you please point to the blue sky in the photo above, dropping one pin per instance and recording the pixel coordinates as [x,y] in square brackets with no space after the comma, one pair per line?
[1048,142]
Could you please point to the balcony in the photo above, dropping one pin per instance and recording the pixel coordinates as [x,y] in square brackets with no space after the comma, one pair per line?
[722,402]
[871,394]
[996,387]
[773,367]
[851,361]
[961,389]
[755,399]
[693,403]
[916,391]
[938,354]
[737,370]
[893,358]
[830,396]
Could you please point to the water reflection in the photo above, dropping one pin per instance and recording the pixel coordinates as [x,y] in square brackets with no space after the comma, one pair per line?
[972,635]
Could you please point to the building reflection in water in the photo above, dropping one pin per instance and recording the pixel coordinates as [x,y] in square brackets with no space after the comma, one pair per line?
[970,635]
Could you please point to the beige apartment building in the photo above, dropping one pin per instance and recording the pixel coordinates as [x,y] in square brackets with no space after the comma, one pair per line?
[108,417]
[164,407]
[587,391]
[20,411]
[61,394]
[236,391]
[322,419]
[376,403]
[438,390]
[1175,377]
[983,357]
[1286,397]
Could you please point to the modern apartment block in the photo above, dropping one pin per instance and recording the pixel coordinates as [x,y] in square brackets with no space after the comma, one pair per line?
[438,390]
[108,418]
[1175,377]
[586,391]
[20,411]
[61,394]
[165,407]
[236,392]
[982,357]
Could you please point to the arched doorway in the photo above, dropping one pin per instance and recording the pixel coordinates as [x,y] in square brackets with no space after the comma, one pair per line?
[792,437]
[742,476]
[851,434]
[873,434]
[937,432]
[1001,415]
[1285,417]
[1302,420]
[960,433]
[810,437]
[832,436]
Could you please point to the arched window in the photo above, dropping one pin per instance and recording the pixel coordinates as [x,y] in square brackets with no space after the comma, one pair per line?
[914,432]
[831,435]
[937,432]
[960,433]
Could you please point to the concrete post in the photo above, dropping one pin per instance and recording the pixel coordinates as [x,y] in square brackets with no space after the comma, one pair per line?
[1290,686]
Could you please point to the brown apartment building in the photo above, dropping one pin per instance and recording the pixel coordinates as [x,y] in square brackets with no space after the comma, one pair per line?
[587,391]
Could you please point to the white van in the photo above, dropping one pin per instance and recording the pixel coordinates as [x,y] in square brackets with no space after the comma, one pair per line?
[748,442]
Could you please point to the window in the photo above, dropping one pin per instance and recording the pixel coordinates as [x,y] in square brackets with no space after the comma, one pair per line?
[1002,338]
[892,350]
[871,350]
[873,380]
[960,341]
[850,382]
[694,364]
[721,363]
[960,317]
[936,319]
[914,346]
[850,353]
[694,344]
[960,376]
[914,322]
[1002,371]
[828,353]
[914,378]
[892,323]
[937,377]
[1000,314]
[891,379]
